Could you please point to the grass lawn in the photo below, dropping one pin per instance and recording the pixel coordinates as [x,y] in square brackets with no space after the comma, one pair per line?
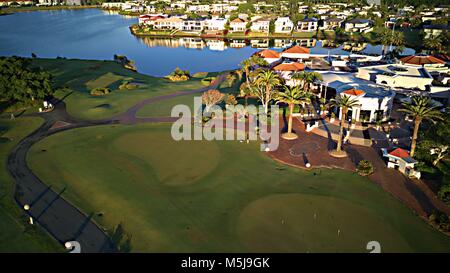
[78,77]
[223,196]
[16,235]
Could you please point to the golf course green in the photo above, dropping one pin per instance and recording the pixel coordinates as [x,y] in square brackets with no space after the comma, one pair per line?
[227,196]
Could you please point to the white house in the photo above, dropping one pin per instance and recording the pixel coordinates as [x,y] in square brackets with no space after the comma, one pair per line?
[283,25]
[215,24]
[238,25]
[168,23]
[307,25]
[359,25]
[193,25]
[260,25]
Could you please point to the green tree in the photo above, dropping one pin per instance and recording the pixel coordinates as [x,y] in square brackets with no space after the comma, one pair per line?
[345,103]
[420,109]
[291,96]
[20,82]
[266,80]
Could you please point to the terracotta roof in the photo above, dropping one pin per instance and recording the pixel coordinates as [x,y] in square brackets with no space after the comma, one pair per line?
[421,60]
[297,49]
[443,57]
[354,92]
[399,152]
[267,53]
[290,67]
[238,20]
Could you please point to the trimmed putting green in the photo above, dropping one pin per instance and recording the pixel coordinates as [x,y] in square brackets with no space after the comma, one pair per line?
[78,77]
[227,196]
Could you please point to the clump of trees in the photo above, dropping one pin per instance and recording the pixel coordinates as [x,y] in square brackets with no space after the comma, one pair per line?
[440,220]
[211,98]
[21,83]
[365,168]
[208,80]
[179,75]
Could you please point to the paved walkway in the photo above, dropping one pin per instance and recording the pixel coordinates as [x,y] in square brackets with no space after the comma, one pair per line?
[57,216]
[312,148]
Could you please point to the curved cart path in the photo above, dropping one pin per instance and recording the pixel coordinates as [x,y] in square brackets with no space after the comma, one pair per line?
[48,208]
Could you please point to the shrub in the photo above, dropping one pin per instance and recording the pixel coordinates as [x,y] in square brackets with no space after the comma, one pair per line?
[126,85]
[365,168]
[230,100]
[179,75]
[208,80]
[440,220]
[444,193]
[100,91]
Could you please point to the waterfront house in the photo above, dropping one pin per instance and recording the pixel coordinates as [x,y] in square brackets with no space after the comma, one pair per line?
[332,23]
[400,160]
[307,25]
[296,52]
[215,24]
[270,56]
[359,25]
[260,25]
[283,25]
[171,23]
[238,25]
[193,25]
[287,69]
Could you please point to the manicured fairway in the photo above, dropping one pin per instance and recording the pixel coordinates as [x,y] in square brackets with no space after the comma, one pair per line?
[16,235]
[80,76]
[221,196]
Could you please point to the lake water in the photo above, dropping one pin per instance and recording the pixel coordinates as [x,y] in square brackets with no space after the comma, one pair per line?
[98,34]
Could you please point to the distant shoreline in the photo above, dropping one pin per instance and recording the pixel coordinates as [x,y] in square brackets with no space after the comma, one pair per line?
[11,10]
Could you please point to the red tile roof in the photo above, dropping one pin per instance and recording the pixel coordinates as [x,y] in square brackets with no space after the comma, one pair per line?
[290,67]
[421,60]
[399,152]
[267,53]
[354,92]
[297,50]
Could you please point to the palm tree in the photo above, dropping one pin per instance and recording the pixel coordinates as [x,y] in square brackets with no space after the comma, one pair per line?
[248,64]
[297,77]
[291,96]
[269,80]
[307,78]
[419,109]
[433,43]
[345,103]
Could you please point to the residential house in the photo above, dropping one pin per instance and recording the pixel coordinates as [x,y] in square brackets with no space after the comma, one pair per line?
[193,25]
[170,23]
[215,24]
[359,25]
[238,25]
[283,25]
[332,23]
[296,52]
[307,25]
[260,25]
[270,56]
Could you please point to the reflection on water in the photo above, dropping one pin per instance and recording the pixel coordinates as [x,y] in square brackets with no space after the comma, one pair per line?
[316,46]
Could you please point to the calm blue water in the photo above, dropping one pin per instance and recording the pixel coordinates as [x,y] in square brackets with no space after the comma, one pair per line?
[96,34]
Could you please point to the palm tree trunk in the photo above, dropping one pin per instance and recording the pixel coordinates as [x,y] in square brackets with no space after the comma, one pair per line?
[414,138]
[341,131]
[267,98]
[291,110]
